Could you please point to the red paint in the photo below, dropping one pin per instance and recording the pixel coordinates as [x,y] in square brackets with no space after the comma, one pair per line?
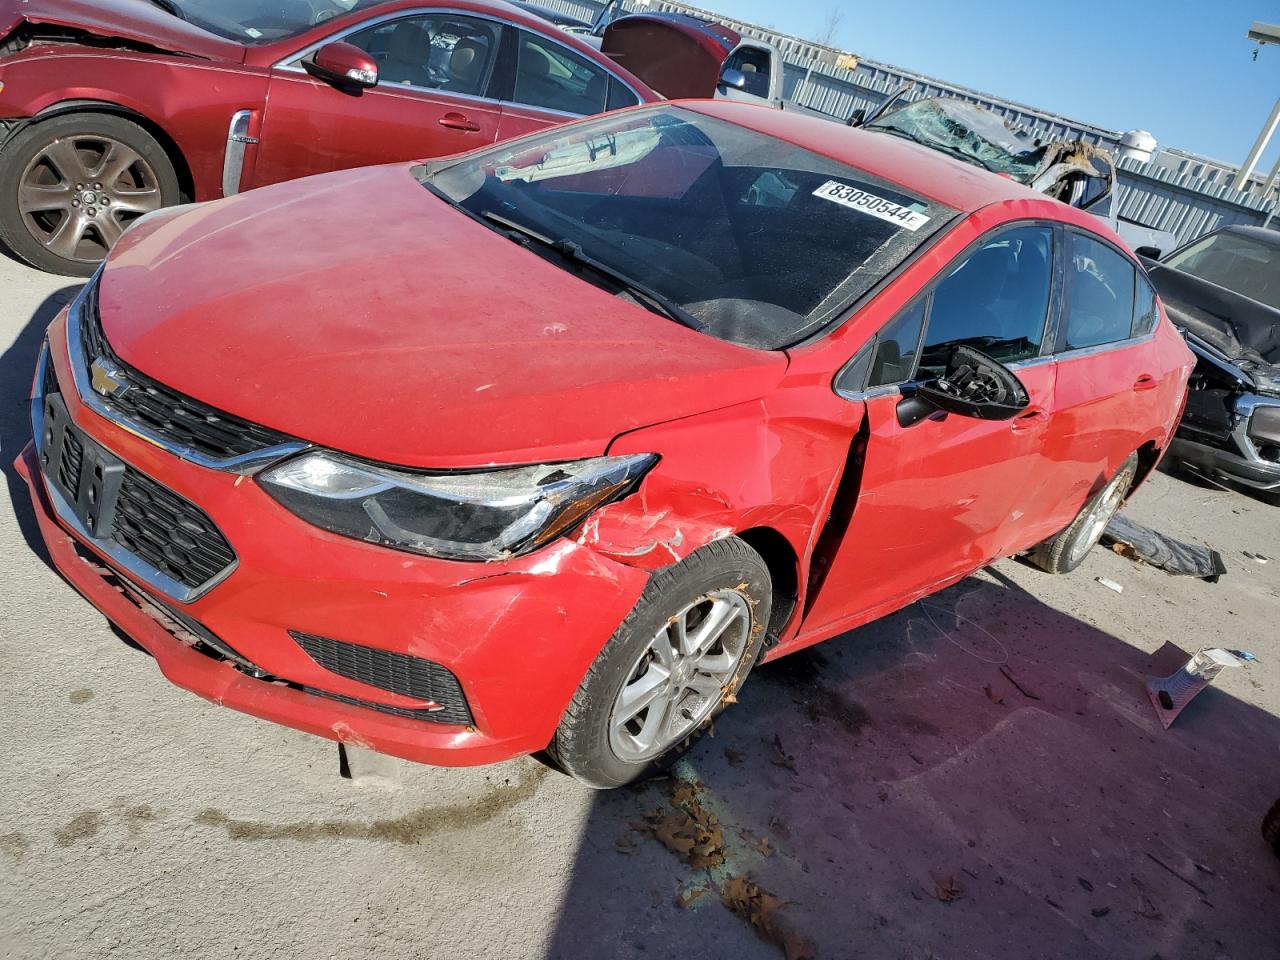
[424,339]
[305,125]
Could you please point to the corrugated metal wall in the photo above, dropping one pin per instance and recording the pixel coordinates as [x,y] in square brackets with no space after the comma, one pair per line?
[1156,194]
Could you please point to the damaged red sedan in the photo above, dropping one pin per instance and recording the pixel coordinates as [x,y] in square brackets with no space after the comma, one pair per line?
[546,446]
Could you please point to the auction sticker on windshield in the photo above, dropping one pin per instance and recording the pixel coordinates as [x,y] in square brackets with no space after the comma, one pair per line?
[856,199]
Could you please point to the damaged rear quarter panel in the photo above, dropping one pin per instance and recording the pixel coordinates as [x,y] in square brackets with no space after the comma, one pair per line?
[770,463]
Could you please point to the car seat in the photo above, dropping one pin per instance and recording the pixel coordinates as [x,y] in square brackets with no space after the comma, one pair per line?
[407,55]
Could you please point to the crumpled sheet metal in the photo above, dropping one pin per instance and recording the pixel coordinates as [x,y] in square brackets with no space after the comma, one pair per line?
[1172,556]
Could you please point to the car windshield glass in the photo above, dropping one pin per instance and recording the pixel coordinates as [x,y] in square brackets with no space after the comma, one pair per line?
[754,240]
[1238,263]
[969,132]
[260,21]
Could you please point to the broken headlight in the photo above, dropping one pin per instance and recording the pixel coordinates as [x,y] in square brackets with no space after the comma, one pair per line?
[457,516]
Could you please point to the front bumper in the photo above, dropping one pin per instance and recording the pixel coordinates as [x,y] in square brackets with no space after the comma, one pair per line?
[518,635]
[1245,451]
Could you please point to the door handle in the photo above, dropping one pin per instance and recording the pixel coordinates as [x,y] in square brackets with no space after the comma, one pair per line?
[458,121]
[1028,418]
[1146,382]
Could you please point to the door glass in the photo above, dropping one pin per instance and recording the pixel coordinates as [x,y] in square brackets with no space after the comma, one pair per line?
[895,356]
[1100,285]
[620,95]
[438,52]
[555,78]
[753,62]
[1145,313]
[995,301]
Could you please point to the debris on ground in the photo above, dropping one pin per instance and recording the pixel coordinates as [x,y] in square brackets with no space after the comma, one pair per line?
[1110,584]
[1255,557]
[947,890]
[735,757]
[782,758]
[992,695]
[760,908]
[1008,675]
[689,896]
[1144,545]
[688,828]
[1171,694]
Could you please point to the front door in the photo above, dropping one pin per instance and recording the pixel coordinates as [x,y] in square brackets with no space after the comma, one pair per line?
[431,100]
[944,496]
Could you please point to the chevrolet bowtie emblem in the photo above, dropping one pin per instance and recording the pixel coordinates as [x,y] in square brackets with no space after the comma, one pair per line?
[106,379]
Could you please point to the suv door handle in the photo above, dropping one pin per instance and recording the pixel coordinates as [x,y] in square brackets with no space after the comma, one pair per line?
[458,121]
[1028,418]
[1145,382]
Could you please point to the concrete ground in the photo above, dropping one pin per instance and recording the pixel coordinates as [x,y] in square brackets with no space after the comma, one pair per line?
[894,787]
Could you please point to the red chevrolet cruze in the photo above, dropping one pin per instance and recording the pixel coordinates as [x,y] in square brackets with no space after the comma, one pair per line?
[545,447]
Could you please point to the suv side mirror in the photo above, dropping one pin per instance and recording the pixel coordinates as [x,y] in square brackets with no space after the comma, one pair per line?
[729,77]
[974,385]
[344,65]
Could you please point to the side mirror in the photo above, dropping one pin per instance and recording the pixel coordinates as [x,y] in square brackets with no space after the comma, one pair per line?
[974,385]
[856,118]
[729,77]
[344,65]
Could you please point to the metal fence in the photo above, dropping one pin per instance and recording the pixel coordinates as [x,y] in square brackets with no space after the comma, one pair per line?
[1176,191]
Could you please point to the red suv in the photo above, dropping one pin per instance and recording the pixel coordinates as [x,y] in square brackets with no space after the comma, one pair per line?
[546,446]
[110,109]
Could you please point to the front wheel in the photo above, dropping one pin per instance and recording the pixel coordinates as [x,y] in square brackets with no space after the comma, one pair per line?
[72,184]
[1066,551]
[682,652]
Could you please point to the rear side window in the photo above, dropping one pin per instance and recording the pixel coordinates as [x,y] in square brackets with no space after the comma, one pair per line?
[996,300]
[1099,289]
[555,78]
[1145,312]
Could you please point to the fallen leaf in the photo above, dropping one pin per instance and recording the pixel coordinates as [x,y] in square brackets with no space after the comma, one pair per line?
[625,845]
[1100,911]
[948,890]
[1148,911]
[760,908]
[992,695]
[687,898]
[728,698]
[779,829]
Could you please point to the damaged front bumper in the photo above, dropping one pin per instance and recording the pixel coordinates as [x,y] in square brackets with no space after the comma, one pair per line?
[1240,442]
[514,638]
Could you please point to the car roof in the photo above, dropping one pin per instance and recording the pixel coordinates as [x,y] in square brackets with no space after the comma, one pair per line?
[917,168]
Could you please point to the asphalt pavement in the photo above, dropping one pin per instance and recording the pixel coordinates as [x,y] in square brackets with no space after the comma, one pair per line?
[980,775]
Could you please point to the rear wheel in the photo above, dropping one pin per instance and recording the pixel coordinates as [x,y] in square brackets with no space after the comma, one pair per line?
[1066,551]
[70,185]
[684,649]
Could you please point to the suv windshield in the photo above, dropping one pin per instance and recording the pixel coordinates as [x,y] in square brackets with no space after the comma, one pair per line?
[260,21]
[1238,263]
[749,238]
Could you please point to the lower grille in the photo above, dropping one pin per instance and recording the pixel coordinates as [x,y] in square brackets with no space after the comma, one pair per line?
[70,462]
[397,673]
[170,533]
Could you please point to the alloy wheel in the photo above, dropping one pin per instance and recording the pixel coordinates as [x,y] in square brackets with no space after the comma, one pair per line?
[1100,514]
[79,193]
[681,676]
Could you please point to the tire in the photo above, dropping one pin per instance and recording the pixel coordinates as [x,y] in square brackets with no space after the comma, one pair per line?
[1271,827]
[54,214]
[725,578]
[1066,551]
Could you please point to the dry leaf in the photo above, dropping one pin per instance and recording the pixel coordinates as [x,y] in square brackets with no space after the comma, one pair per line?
[992,695]
[760,908]
[948,890]
[783,758]
[687,898]
[779,829]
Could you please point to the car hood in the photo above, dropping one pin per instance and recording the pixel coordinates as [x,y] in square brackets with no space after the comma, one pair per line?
[360,312]
[137,21]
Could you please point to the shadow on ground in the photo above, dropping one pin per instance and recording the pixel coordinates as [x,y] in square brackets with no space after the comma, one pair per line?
[17,366]
[935,809]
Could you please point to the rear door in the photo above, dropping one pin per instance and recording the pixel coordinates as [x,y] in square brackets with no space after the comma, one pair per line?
[1108,392]
[948,494]
[551,83]
[432,99]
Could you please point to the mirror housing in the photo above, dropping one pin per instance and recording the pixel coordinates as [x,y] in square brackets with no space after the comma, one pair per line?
[729,77]
[974,385]
[344,65]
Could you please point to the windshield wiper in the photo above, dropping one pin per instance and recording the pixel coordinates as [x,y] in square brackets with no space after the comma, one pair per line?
[169,7]
[573,252]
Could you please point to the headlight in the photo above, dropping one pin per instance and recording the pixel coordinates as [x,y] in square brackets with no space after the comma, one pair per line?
[459,516]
